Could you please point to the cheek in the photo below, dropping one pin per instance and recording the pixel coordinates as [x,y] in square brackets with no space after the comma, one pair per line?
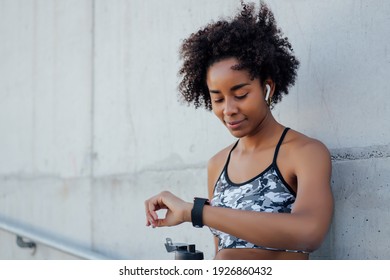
[256,105]
[218,112]
[215,111]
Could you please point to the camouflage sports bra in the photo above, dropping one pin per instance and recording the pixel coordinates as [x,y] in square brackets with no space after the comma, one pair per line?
[267,192]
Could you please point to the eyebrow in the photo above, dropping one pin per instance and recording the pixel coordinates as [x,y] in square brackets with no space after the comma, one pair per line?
[233,88]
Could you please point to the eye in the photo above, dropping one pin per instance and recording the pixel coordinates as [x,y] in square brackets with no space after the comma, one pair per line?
[218,100]
[242,96]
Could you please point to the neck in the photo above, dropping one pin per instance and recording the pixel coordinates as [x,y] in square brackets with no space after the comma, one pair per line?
[264,136]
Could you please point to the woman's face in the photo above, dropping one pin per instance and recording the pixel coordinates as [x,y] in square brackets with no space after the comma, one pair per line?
[237,100]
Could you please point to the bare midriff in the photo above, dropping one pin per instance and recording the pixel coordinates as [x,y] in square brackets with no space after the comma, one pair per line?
[258,254]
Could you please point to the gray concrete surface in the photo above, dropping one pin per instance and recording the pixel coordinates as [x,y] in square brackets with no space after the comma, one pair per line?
[90,123]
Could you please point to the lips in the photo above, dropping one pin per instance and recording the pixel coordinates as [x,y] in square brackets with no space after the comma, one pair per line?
[234,124]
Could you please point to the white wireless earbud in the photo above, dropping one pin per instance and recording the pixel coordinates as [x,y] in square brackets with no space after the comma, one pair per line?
[268,90]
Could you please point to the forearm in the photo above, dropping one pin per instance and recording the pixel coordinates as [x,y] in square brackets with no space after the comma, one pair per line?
[275,230]
[300,230]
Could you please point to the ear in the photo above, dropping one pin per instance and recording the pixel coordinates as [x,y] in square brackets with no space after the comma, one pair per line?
[267,91]
[269,83]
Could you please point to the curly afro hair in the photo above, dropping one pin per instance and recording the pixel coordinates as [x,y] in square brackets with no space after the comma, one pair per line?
[252,38]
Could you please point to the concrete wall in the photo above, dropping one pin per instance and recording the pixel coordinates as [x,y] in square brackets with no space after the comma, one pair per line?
[90,123]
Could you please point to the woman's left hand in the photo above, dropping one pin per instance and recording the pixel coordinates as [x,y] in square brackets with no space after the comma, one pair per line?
[178,210]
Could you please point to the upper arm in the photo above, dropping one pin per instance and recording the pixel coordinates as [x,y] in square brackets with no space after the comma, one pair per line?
[314,195]
[211,176]
[214,169]
[211,179]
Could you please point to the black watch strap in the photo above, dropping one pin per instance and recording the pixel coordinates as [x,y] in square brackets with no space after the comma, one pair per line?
[197,211]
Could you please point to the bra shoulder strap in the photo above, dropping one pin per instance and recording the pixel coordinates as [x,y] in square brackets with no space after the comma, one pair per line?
[231,150]
[279,144]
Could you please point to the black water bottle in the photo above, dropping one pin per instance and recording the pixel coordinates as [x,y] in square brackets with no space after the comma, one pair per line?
[183,251]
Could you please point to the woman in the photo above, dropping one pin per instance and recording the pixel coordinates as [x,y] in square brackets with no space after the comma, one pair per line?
[269,193]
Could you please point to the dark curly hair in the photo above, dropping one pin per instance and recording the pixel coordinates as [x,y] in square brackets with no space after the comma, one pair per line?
[253,39]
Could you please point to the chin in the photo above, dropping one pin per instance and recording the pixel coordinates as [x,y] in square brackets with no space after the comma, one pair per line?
[237,134]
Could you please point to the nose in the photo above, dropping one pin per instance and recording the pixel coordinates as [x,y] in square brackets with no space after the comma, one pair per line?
[230,107]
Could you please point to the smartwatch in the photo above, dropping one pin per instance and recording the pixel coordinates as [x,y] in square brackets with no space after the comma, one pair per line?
[197,211]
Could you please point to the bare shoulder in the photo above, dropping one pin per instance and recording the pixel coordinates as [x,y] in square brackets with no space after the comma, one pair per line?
[215,165]
[217,161]
[300,143]
[307,151]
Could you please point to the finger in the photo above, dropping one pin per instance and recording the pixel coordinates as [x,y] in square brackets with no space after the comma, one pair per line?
[152,205]
[150,209]
[160,223]
[153,215]
[150,223]
[153,208]
[167,221]
[146,213]
[150,220]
